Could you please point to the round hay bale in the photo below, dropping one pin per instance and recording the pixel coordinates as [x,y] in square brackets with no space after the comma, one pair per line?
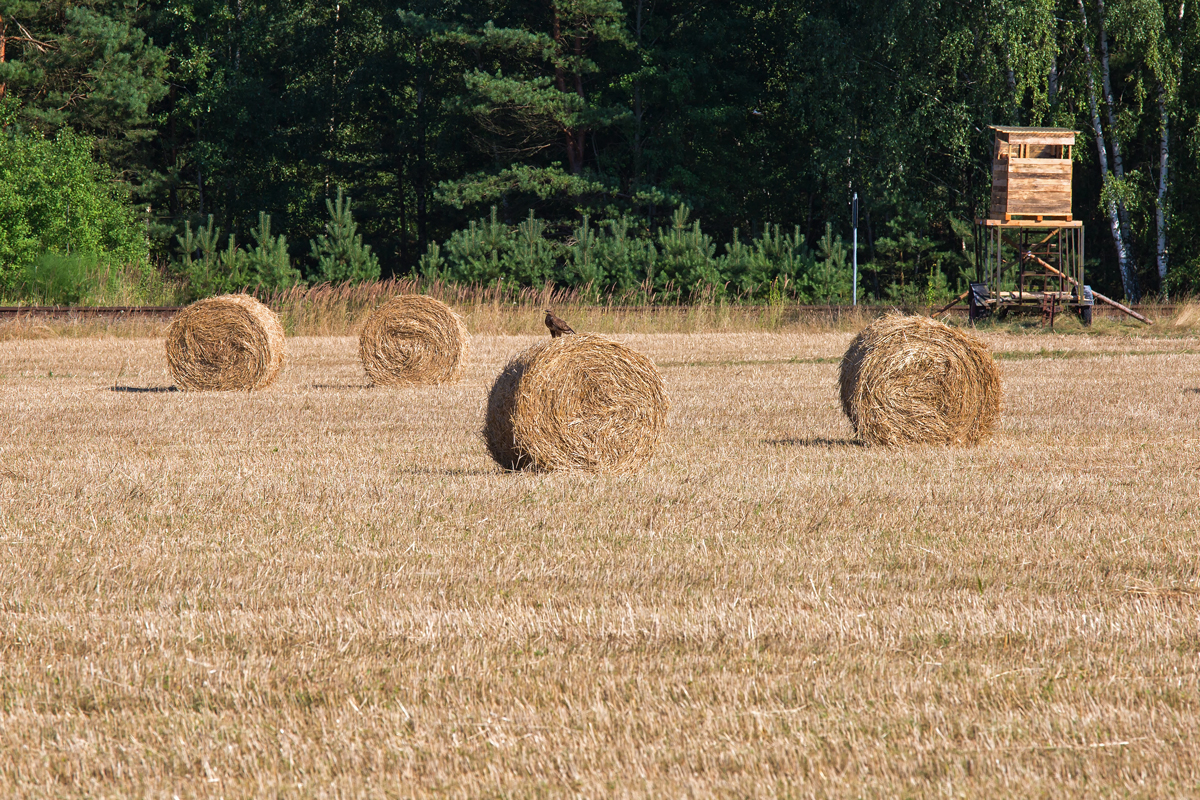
[413,339]
[911,379]
[581,402]
[227,342]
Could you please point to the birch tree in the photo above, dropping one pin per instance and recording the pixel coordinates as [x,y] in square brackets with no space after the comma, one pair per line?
[1166,62]
[1110,189]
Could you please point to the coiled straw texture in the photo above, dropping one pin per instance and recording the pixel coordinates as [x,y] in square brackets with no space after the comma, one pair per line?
[581,402]
[227,342]
[912,379]
[413,339]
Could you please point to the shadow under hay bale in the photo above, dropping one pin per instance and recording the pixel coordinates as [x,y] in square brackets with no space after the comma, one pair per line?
[580,402]
[912,379]
[413,339]
[144,389]
[225,343]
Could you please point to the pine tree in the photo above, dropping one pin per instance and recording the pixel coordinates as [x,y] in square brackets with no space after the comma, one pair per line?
[340,252]
[215,271]
[531,259]
[269,262]
[686,255]
[87,66]
[830,279]
[478,254]
[534,97]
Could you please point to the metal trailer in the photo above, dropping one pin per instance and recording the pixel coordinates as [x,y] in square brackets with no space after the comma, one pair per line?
[1029,266]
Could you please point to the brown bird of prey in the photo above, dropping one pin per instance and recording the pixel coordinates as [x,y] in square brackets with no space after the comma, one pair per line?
[557,326]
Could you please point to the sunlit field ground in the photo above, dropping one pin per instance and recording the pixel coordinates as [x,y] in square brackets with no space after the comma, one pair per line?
[329,590]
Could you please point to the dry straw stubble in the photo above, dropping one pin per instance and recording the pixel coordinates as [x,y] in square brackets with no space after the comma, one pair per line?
[413,339]
[264,627]
[581,402]
[912,379]
[228,342]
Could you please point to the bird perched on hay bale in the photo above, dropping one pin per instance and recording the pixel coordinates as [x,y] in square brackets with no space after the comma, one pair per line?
[227,342]
[912,379]
[413,339]
[557,326]
[581,402]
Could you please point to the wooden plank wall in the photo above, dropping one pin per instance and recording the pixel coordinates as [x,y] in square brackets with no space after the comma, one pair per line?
[1038,186]
[1031,186]
[999,188]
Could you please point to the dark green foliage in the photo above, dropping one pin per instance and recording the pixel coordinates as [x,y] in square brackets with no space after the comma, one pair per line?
[915,258]
[89,67]
[685,260]
[608,256]
[211,269]
[488,251]
[531,97]
[208,268]
[768,260]
[831,278]
[478,253]
[601,118]
[432,265]
[542,183]
[268,263]
[677,262]
[622,259]
[532,258]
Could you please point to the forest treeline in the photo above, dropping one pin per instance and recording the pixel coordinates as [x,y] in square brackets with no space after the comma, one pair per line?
[681,146]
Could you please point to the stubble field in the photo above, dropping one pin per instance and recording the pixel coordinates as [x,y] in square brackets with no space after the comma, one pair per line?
[329,590]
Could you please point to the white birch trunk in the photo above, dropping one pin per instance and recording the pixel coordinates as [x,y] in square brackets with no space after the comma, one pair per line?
[1118,164]
[1160,205]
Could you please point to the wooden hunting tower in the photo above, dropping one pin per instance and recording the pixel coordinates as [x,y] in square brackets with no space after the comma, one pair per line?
[1029,251]
[1031,173]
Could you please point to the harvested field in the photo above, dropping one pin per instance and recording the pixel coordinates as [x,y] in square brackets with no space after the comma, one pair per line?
[329,590]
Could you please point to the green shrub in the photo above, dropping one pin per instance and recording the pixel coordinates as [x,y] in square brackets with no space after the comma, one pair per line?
[55,198]
[686,256]
[59,280]
[478,253]
[269,262]
[209,271]
[610,258]
[87,279]
[830,279]
[760,267]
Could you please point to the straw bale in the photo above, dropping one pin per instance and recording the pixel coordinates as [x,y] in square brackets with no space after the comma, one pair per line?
[227,342]
[912,379]
[580,402]
[413,339]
